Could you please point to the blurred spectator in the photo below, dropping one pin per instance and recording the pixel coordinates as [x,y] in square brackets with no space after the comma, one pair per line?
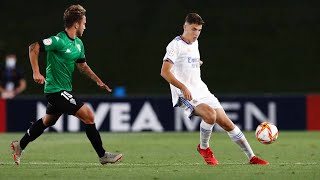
[12,81]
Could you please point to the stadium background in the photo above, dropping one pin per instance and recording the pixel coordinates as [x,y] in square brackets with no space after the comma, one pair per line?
[268,50]
[260,59]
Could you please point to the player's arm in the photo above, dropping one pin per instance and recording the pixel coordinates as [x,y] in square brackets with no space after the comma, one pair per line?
[86,70]
[170,78]
[34,50]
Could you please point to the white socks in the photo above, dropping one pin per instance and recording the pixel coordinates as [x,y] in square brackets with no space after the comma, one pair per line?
[237,136]
[205,134]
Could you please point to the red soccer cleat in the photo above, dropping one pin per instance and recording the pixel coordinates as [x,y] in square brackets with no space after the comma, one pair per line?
[207,155]
[256,160]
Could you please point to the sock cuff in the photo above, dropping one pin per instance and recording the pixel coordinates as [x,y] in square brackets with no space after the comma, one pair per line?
[235,131]
[40,121]
[206,126]
[90,125]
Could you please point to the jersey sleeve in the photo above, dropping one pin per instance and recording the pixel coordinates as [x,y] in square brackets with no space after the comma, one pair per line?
[172,52]
[52,43]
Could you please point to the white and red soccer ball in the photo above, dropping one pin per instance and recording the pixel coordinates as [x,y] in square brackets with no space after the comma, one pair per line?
[267,133]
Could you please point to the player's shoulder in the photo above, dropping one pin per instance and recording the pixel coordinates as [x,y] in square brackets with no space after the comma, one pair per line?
[175,41]
[177,38]
[55,38]
[61,35]
[78,40]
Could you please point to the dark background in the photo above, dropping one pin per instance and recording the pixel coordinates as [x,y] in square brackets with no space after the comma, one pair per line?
[248,47]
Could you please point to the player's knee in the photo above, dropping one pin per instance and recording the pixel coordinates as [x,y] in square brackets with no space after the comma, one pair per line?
[90,118]
[48,122]
[211,115]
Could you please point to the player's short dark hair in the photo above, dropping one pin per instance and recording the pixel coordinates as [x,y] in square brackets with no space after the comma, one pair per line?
[194,18]
[72,14]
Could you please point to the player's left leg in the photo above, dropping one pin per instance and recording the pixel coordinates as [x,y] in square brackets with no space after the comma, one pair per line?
[237,136]
[208,116]
[35,130]
[87,116]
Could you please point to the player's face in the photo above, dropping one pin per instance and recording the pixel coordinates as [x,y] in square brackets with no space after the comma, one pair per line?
[81,26]
[192,31]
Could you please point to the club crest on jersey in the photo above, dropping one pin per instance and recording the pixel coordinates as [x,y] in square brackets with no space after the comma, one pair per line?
[79,47]
[47,42]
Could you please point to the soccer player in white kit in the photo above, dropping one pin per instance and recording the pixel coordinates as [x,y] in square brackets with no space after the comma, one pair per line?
[181,69]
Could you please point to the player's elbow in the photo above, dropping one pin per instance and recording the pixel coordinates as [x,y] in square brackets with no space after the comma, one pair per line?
[163,74]
[82,67]
[34,48]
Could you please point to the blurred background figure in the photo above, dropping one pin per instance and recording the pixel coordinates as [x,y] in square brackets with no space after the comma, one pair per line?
[12,81]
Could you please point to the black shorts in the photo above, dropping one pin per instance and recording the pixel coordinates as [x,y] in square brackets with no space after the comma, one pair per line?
[62,102]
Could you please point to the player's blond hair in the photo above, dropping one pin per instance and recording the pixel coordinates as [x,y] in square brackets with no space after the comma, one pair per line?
[73,14]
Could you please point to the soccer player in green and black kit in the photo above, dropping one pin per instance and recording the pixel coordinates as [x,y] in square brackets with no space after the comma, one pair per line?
[64,52]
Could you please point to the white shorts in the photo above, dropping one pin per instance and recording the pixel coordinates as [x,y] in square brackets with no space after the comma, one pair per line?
[189,106]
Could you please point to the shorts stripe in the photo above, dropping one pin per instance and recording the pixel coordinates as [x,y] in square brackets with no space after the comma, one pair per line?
[186,103]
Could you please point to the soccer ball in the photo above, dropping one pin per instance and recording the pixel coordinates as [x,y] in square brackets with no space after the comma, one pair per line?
[267,133]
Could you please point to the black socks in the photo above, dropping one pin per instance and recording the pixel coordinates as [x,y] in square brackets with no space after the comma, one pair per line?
[35,130]
[95,139]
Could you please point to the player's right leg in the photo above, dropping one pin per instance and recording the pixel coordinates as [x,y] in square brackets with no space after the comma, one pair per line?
[87,117]
[35,130]
[237,136]
[208,116]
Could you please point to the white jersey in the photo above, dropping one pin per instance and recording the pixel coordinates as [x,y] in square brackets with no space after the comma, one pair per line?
[186,68]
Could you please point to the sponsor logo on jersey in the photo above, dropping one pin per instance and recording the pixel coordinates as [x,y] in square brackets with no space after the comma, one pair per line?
[193,60]
[68,51]
[47,42]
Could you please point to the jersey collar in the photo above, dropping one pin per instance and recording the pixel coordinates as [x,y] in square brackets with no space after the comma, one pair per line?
[184,40]
[69,36]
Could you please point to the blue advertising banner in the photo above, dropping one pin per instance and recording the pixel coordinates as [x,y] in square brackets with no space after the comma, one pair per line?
[157,114]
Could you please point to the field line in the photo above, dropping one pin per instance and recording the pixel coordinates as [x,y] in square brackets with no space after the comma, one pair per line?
[145,164]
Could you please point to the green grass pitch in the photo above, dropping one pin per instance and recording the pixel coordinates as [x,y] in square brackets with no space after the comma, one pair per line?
[295,155]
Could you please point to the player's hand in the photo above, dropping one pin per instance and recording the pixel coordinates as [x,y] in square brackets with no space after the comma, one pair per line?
[104,86]
[38,78]
[186,93]
[200,62]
